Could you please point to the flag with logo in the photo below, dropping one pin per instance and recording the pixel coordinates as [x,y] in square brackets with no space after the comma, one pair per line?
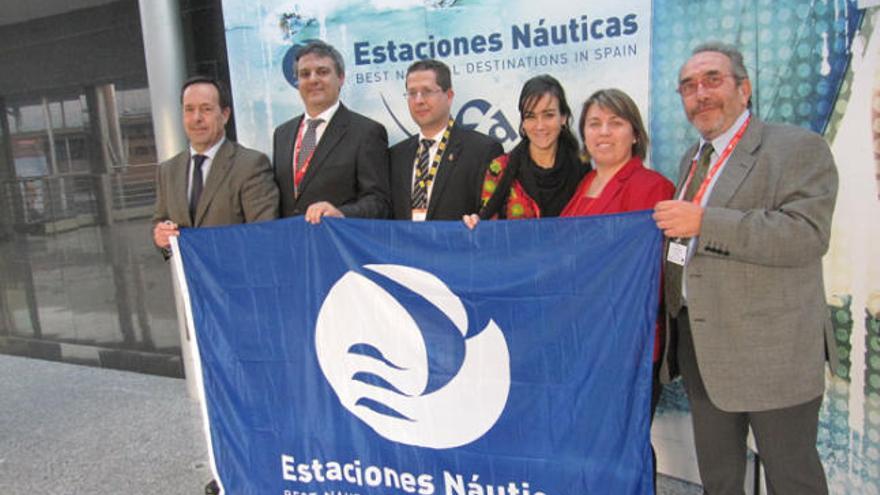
[383,357]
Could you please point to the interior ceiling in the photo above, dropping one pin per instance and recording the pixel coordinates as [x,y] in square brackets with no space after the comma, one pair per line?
[17,11]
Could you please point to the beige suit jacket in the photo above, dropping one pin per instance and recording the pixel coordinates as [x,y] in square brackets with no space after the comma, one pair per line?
[755,292]
[240,188]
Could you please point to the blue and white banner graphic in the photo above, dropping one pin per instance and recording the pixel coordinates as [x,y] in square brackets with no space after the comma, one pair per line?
[381,357]
[491,46]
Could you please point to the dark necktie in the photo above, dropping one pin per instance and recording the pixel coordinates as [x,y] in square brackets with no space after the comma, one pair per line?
[306,148]
[674,272]
[197,185]
[420,187]
[700,174]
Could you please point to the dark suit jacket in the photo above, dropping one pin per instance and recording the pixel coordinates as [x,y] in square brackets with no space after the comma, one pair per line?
[239,189]
[349,168]
[755,294]
[457,186]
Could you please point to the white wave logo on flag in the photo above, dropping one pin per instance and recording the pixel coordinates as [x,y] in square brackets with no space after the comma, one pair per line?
[393,342]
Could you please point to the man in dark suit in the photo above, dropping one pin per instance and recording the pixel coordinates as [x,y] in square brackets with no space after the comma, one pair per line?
[215,181]
[437,174]
[329,161]
[750,329]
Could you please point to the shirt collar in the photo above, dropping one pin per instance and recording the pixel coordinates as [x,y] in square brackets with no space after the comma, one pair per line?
[436,137]
[326,115]
[720,143]
[210,152]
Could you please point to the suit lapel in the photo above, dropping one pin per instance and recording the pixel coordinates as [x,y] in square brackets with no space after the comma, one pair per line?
[741,161]
[447,163]
[332,135]
[178,197]
[613,188]
[404,173]
[220,167]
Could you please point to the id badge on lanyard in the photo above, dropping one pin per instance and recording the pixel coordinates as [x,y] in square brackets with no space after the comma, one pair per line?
[419,214]
[678,248]
[677,253]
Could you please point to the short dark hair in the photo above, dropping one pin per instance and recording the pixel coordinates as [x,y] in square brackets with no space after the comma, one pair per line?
[321,50]
[222,91]
[441,71]
[620,104]
[533,90]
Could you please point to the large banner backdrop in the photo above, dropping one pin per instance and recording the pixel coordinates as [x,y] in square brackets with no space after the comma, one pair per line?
[815,64]
[492,47]
[382,357]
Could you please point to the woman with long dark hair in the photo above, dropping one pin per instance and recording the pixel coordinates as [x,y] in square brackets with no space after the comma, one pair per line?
[539,176]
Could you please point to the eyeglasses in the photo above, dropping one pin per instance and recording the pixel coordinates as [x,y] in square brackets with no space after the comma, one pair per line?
[688,87]
[424,94]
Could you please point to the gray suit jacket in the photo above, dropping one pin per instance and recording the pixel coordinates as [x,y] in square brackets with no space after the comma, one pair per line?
[755,292]
[239,189]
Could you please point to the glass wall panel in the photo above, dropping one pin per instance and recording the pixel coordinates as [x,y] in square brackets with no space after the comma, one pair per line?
[79,278]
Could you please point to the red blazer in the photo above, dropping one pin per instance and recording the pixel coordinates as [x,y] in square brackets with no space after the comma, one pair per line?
[632,188]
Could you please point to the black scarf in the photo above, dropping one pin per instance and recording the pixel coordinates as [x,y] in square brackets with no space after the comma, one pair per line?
[550,188]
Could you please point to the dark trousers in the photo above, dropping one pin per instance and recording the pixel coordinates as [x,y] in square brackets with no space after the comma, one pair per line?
[786,438]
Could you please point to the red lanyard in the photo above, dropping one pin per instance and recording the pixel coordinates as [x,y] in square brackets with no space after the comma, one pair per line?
[715,168]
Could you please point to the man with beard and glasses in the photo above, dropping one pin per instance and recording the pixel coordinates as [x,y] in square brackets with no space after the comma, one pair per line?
[750,330]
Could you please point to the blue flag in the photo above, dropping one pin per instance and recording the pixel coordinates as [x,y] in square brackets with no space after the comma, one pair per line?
[383,357]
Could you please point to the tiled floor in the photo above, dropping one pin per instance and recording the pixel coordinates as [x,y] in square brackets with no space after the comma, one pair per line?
[71,430]
[76,430]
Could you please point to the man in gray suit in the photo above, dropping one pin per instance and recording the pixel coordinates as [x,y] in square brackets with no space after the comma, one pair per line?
[215,181]
[749,326]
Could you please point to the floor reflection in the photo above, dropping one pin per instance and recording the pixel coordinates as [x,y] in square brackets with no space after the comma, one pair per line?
[93,295]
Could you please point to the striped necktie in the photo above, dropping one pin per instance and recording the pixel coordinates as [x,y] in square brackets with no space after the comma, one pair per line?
[420,187]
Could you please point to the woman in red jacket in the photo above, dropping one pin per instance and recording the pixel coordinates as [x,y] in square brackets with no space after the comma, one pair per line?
[615,141]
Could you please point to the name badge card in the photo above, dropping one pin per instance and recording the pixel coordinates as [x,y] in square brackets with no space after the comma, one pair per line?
[677,253]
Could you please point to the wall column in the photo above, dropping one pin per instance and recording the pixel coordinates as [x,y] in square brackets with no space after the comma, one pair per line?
[166,70]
